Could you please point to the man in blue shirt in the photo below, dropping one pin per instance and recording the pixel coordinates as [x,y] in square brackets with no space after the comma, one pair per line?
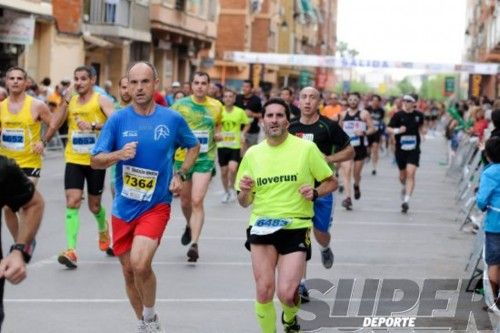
[141,139]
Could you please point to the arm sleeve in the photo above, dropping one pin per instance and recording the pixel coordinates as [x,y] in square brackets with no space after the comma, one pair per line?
[339,138]
[486,187]
[317,164]
[185,137]
[106,140]
[394,122]
[17,189]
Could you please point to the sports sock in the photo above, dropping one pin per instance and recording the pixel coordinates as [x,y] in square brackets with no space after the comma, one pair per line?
[266,315]
[290,312]
[148,314]
[100,217]
[407,198]
[72,227]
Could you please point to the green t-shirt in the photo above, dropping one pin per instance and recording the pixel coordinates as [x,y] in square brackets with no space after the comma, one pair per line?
[231,127]
[202,118]
[279,172]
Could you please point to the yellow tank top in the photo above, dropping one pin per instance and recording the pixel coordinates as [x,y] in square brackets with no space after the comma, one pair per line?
[19,132]
[80,142]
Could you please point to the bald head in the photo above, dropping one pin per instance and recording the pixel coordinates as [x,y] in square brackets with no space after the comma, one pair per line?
[309,99]
[142,78]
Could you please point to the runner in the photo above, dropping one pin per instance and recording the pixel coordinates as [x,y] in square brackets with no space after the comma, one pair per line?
[406,126]
[141,140]
[277,177]
[18,192]
[377,113]
[21,118]
[287,94]
[86,113]
[357,124]
[228,150]
[124,101]
[203,115]
[333,142]
[252,104]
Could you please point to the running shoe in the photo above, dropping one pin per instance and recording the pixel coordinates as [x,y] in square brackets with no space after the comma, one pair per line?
[357,192]
[341,188]
[327,258]
[193,253]
[374,172]
[104,240]
[347,203]
[404,208]
[290,327]
[68,258]
[141,327]
[303,293]
[225,197]
[153,326]
[186,236]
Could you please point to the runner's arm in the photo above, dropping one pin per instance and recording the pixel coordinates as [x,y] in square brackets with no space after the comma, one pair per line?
[107,107]
[191,156]
[370,129]
[49,119]
[345,154]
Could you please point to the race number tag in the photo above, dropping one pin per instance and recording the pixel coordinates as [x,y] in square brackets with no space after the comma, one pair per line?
[13,138]
[202,137]
[268,225]
[408,142]
[228,139]
[350,127]
[83,142]
[138,183]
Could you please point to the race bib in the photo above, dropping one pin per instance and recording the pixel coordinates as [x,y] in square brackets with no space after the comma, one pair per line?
[83,142]
[13,139]
[408,142]
[355,141]
[138,183]
[228,139]
[268,225]
[202,137]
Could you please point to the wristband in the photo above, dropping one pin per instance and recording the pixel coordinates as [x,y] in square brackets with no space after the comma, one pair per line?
[24,250]
[395,131]
[182,175]
[44,142]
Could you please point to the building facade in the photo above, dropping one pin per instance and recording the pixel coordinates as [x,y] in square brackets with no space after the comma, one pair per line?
[482,44]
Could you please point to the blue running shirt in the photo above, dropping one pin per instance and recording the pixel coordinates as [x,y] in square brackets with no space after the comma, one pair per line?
[142,182]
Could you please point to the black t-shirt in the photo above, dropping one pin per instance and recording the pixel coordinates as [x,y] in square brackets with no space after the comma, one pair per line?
[294,111]
[325,133]
[15,188]
[410,139]
[377,117]
[253,104]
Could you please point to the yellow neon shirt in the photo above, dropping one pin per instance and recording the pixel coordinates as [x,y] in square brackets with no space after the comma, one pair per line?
[19,132]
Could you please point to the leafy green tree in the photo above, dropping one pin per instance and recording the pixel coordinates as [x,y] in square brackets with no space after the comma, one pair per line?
[406,87]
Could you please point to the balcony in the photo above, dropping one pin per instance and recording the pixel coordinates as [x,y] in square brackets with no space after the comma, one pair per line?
[127,19]
[201,25]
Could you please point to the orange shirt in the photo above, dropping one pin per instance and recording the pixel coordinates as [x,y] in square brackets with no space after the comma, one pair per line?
[331,111]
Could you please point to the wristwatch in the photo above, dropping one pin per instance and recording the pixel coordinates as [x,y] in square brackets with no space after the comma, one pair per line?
[24,250]
[93,126]
[182,175]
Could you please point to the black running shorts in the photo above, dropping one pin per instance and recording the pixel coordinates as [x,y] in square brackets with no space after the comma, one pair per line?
[285,241]
[225,155]
[404,157]
[76,174]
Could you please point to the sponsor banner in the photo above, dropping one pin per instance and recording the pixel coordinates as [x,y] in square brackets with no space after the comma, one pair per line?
[16,28]
[333,62]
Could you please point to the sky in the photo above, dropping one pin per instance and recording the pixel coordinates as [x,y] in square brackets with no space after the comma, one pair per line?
[404,30]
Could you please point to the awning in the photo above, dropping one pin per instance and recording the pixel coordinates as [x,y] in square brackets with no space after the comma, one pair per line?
[307,12]
[94,40]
